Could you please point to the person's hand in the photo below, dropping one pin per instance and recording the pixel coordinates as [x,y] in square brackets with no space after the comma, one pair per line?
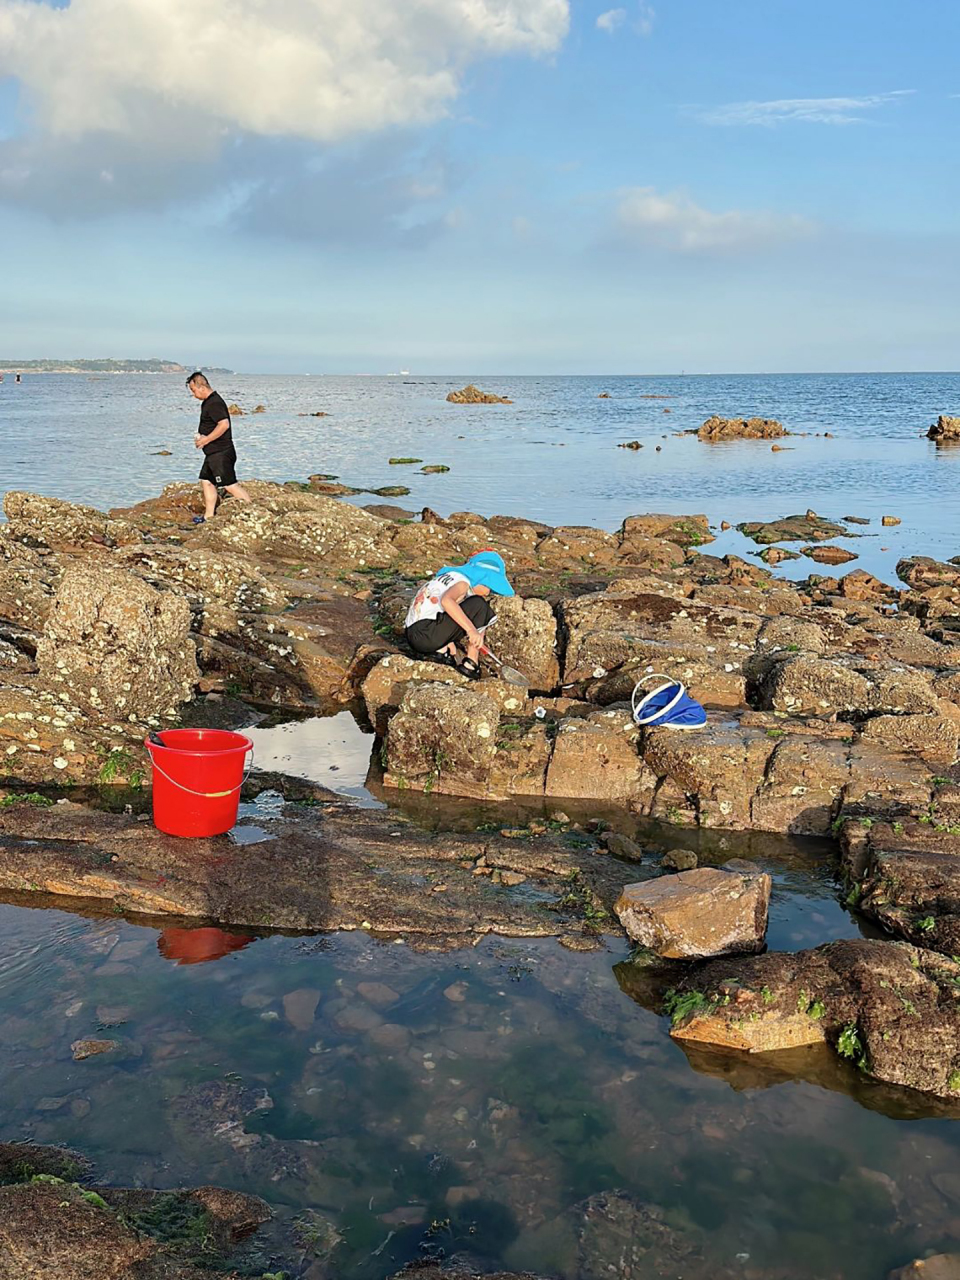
[474,639]
[198,441]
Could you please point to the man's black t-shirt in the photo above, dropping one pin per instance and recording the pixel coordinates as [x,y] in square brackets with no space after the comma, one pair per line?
[212,411]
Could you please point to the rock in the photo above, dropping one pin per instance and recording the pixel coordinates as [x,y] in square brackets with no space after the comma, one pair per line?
[890,520]
[330,866]
[631,444]
[378,994]
[941,1266]
[260,408]
[525,637]
[604,395]
[685,531]
[403,462]
[777,555]
[679,860]
[473,395]
[596,758]
[300,1008]
[318,414]
[855,520]
[828,555]
[694,914]
[391,491]
[443,738]
[889,1008]
[805,685]
[92,1048]
[807,528]
[64,525]
[945,430]
[621,846]
[437,469]
[67,1230]
[234,411]
[120,647]
[719,429]
[932,737]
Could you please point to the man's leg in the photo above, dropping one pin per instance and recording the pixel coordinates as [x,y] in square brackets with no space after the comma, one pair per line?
[210,496]
[238,491]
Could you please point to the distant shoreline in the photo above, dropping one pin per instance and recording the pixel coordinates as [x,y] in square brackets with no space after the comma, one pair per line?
[102,366]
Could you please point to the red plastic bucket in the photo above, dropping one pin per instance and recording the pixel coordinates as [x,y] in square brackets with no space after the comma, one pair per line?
[197,776]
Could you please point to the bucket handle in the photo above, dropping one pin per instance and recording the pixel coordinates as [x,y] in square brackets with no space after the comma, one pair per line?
[207,795]
[638,715]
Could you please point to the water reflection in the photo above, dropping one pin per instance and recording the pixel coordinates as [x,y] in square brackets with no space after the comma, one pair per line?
[200,946]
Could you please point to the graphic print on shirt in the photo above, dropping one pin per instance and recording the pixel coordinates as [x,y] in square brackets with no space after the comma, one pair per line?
[426,604]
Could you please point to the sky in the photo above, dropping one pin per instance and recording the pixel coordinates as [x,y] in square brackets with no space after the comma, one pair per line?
[482,186]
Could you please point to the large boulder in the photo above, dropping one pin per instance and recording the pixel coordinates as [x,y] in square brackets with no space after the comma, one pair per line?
[27,584]
[700,913]
[890,1008]
[473,395]
[683,531]
[442,739]
[946,430]
[118,647]
[596,758]
[932,737]
[720,767]
[805,685]
[525,637]
[51,522]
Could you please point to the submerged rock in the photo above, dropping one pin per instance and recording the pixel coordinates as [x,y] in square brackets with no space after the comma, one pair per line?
[828,555]
[700,913]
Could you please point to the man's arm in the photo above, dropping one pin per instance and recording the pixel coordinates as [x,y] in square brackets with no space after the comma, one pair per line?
[215,434]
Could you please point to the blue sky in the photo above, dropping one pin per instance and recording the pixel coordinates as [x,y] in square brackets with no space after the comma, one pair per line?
[507,186]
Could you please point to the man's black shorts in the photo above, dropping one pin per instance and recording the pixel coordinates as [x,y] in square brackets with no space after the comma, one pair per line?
[220,468]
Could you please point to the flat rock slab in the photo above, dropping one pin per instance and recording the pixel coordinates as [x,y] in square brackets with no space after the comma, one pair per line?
[699,913]
[326,867]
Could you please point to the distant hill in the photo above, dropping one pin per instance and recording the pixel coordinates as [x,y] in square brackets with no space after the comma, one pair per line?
[99,366]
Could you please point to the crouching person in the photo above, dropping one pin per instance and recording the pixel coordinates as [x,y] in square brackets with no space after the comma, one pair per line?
[454,608]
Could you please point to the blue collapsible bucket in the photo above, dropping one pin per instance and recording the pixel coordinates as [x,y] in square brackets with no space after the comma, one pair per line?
[668,706]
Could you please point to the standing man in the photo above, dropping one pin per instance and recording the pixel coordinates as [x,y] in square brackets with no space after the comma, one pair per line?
[215,437]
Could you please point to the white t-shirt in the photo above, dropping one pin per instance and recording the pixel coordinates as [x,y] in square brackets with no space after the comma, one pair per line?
[426,605]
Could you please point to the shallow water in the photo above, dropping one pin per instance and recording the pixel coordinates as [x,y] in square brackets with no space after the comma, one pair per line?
[550,455]
[420,1102]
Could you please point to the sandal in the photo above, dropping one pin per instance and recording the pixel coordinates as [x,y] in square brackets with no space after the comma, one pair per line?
[444,659]
[467,667]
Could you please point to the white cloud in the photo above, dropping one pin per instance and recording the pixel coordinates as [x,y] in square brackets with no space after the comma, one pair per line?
[615,18]
[645,18]
[318,69]
[673,221]
[612,19]
[805,110]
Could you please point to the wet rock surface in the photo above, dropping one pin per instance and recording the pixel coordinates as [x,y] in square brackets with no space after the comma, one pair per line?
[891,1009]
[53,1223]
[326,866]
[473,395]
[699,913]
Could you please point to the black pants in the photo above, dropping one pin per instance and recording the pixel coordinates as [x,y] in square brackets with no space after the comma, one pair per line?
[434,634]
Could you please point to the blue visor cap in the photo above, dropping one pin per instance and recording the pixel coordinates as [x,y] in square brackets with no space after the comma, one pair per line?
[486,569]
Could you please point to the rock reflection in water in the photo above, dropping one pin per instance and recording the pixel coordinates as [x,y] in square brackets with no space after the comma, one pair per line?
[199,946]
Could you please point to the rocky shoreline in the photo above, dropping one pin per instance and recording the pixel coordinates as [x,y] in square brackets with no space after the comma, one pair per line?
[834,711]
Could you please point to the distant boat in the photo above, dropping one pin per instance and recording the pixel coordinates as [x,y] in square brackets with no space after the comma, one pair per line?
[404,373]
